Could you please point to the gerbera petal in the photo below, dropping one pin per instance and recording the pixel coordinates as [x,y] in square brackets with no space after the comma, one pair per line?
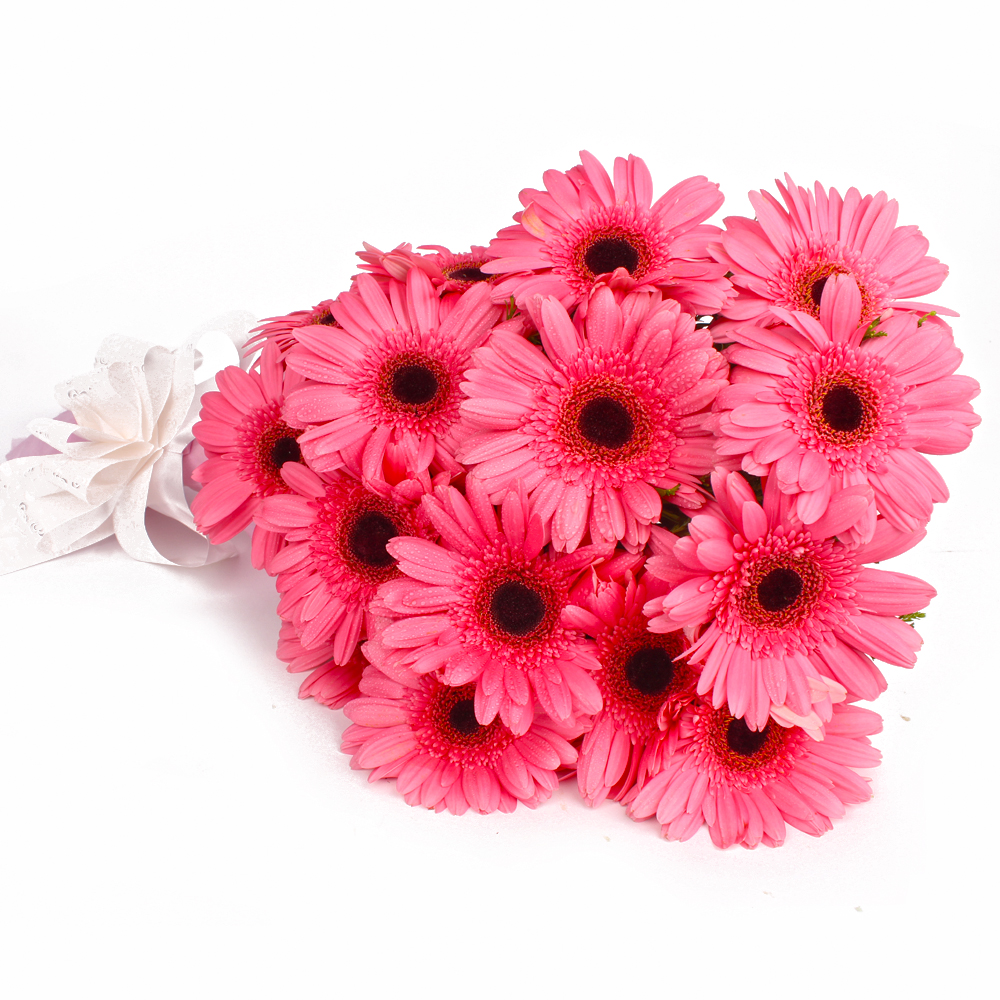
[886,593]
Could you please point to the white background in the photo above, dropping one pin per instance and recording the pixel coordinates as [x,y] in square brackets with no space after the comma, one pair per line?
[175,823]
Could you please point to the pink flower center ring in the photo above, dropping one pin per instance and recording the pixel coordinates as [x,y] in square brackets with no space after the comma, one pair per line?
[356,535]
[466,273]
[844,409]
[737,747]
[808,277]
[640,672]
[449,727]
[782,588]
[368,536]
[604,250]
[518,609]
[275,444]
[603,421]
[415,383]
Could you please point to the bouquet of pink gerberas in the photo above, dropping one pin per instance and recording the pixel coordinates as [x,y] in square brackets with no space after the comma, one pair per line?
[602,498]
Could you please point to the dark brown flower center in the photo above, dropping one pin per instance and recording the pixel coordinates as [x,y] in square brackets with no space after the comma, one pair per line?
[605,422]
[285,449]
[843,408]
[462,717]
[780,589]
[744,740]
[516,609]
[274,443]
[414,385]
[609,253]
[650,670]
[368,539]
[816,293]
[468,274]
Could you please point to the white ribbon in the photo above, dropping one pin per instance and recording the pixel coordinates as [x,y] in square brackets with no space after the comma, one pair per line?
[134,413]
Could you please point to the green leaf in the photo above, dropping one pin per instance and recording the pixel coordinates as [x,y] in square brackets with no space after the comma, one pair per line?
[872,332]
[674,520]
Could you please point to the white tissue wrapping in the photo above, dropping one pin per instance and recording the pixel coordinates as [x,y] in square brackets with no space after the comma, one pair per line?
[134,416]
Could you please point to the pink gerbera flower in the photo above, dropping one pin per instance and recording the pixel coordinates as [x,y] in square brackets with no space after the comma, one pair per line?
[746,785]
[247,443]
[395,263]
[487,605]
[330,683]
[785,257]
[449,272]
[459,271]
[336,557]
[825,404]
[425,734]
[600,420]
[389,380]
[282,330]
[583,228]
[783,603]
[644,685]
